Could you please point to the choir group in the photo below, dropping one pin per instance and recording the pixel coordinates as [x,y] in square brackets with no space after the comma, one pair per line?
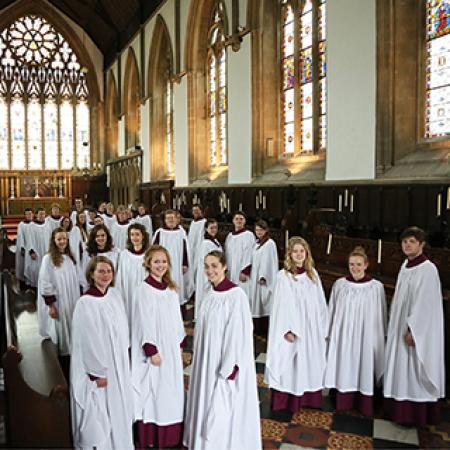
[109,296]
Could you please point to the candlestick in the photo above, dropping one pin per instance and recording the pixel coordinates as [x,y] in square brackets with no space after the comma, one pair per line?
[379,251]
[174,204]
[286,237]
[228,205]
[352,198]
[257,202]
[448,198]
[260,196]
[264,202]
[439,205]
[330,240]
[340,203]
[346,198]
[221,204]
[240,206]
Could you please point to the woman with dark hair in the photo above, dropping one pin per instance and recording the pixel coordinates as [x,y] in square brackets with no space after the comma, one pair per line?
[208,244]
[157,367]
[100,378]
[222,408]
[296,347]
[263,271]
[131,271]
[58,291]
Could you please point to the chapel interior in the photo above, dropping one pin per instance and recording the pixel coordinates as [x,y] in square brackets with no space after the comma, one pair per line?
[329,119]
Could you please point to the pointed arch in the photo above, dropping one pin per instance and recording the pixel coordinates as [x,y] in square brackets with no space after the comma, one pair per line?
[201,15]
[160,88]
[112,122]
[132,101]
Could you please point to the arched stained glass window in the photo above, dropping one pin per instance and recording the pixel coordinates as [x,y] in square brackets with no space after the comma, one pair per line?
[169,126]
[303,75]
[217,89]
[437,117]
[44,110]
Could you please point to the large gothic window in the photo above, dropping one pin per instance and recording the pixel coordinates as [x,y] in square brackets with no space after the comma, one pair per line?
[170,157]
[303,75]
[217,89]
[44,110]
[437,117]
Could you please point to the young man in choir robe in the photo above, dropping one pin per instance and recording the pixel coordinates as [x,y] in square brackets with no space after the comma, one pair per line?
[144,219]
[414,377]
[239,250]
[173,238]
[101,210]
[21,244]
[54,219]
[119,229]
[38,241]
[110,218]
[79,208]
[92,214]
[195,238]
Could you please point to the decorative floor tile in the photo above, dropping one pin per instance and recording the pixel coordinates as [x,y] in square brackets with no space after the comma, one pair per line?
[260,380]
[261,358]
[307,436]
[273,429]
[293,447]
[383,429]
[352,424]
[269,444]
[260,368]
[428,439]
[313,419]
[345,441]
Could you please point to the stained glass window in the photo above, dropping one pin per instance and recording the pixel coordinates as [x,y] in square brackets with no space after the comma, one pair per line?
[437,117]
[217,90]
[169,126]
[303,74]
[44,110]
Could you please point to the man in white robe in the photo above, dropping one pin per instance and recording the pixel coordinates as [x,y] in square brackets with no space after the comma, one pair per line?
[414,378]
[144,219]
[102,417]
[239,250]
[21,244]
[119,229]
[36,246]
[195,238]
[79,208]
[54,219]
[173,238]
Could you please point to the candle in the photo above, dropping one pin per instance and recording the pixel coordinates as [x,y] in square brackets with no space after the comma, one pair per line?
[221,204]
[257,202]
[228,205]
[352,198]
[330,240]
[240,206]
[346,198]
[439,205]
[264,202]
[379,252]
[340,203]
[448,198]
[286,237]
[260,196]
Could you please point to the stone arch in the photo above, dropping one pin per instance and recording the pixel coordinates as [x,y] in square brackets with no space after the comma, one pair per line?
[132,101]
[112,122]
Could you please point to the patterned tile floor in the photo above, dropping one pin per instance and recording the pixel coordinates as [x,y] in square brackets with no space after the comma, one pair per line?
[327,429]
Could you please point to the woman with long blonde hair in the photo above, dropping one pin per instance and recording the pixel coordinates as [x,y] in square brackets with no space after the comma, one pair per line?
[296,354]
[157,339]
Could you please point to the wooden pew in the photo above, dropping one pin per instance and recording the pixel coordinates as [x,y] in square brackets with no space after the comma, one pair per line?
[37,395]
[7,255]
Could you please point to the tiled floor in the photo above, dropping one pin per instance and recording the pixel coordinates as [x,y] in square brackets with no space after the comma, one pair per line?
[326,429]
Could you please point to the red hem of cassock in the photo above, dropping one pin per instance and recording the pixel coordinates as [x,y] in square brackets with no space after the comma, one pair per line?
[354,400]
[152,435]
[284,400]
[407,412]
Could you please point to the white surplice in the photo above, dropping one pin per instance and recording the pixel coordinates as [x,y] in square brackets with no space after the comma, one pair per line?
[239,251]
[119,233]
[76,243]
[416,373]
[38,240]
[145,220]
[158,390]
[299,306]
[110,221]
[356,336]
[73,215]
[264,265]
[173,241]
[130,274]
[64,283]
[195,238]
[101,417]
[202,285]
[222,413]
[53,223]
[112,255]
[21,243]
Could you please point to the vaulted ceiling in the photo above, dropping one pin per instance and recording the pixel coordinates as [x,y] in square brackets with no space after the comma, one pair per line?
[110,23]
